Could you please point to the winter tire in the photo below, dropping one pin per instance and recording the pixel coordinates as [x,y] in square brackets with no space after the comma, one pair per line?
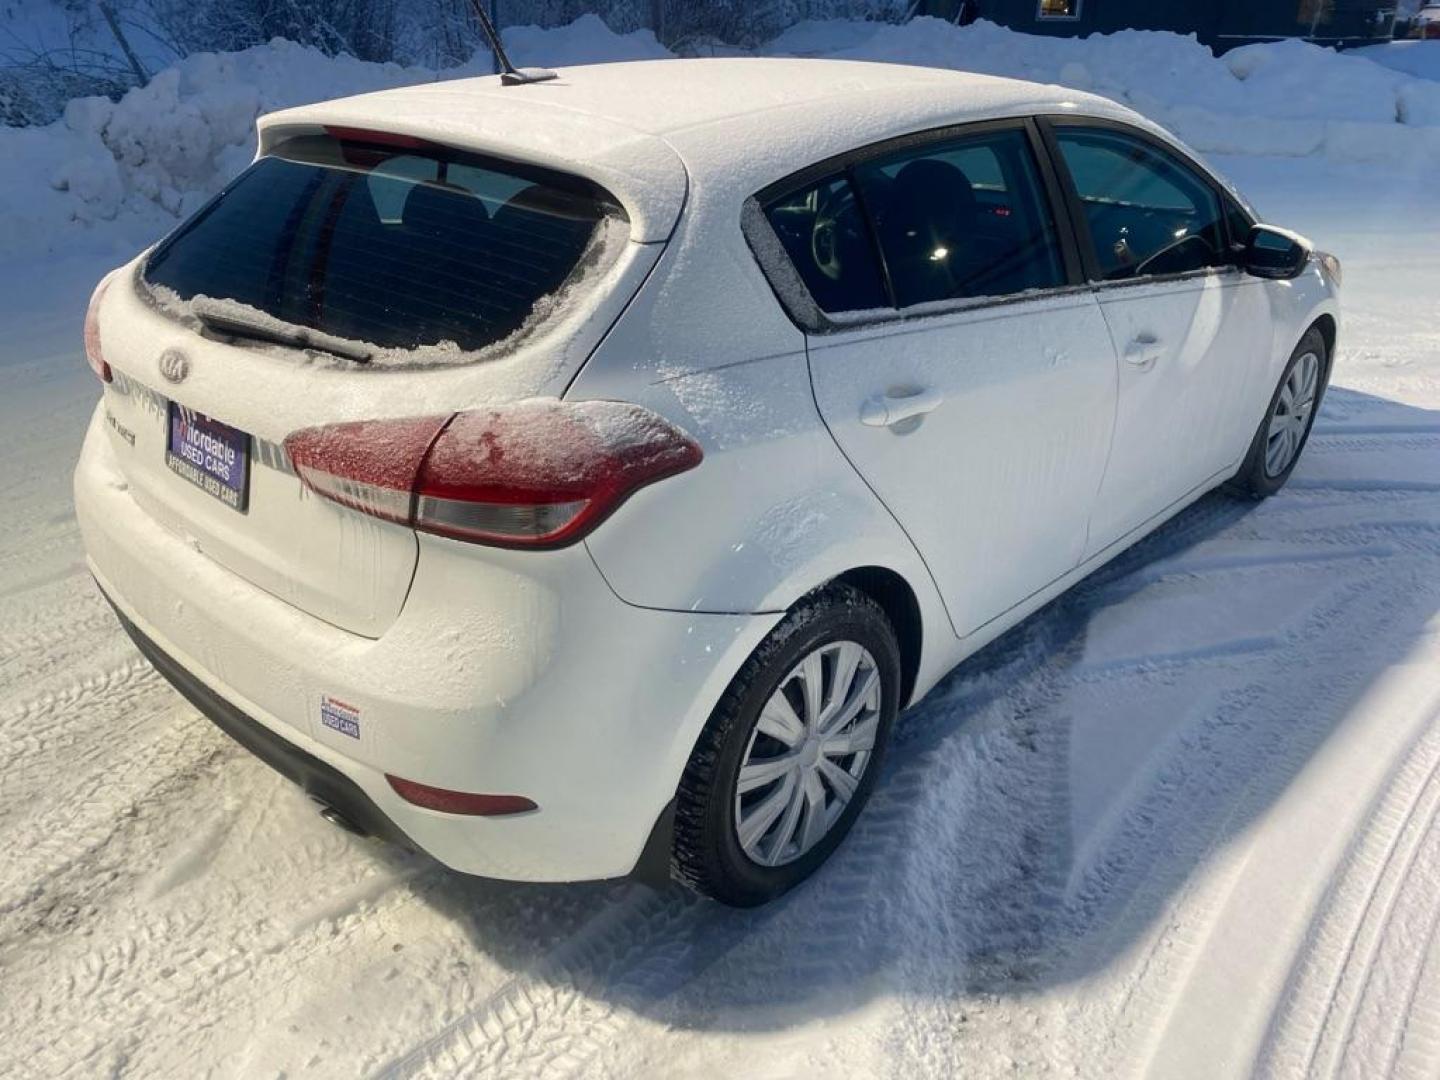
[791,752]
[1284,431]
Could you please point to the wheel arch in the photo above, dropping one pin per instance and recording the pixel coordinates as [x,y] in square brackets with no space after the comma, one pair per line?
[902,607]
[1329,330]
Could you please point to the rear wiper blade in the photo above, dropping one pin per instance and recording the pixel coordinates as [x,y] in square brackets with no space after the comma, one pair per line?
[236,325]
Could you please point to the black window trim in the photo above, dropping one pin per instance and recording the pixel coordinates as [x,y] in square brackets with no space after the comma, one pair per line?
[795,298]
[1048,124]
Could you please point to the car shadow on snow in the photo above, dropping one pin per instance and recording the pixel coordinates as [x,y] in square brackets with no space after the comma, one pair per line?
[1042,807]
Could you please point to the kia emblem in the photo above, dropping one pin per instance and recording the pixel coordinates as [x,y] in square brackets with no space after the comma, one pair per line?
[174,365]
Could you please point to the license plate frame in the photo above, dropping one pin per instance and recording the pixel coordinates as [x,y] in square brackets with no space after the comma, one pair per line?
[211,455]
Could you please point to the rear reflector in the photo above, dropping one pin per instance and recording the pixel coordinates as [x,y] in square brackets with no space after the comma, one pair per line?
[539,473]
[459,802]
[92,334]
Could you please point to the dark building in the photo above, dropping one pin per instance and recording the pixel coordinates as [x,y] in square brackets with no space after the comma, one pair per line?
[1221,24]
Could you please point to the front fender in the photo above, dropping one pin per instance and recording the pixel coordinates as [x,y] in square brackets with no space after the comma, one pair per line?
[1295,306]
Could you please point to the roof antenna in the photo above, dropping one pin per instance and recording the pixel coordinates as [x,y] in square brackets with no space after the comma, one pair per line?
[510,75]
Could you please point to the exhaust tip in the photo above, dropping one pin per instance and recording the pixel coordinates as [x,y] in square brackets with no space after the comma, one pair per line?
[339,820]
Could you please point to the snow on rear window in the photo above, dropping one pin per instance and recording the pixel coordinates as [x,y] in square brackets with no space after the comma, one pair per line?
[384,254]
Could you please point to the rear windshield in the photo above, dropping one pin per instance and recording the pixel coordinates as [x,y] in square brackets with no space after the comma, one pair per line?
[371,249]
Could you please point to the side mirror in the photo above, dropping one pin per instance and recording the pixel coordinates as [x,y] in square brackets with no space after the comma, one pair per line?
[1276,254]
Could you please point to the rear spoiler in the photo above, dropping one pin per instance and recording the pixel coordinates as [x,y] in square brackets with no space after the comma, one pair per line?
[643,173]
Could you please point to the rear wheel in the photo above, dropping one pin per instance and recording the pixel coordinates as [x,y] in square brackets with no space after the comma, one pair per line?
[791,752]
[1286,428]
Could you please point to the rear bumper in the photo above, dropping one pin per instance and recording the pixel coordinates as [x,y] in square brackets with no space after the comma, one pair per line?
[514,673]
[319,780]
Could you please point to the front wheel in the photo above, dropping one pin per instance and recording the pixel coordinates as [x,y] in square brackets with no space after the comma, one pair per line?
[790,753]
[1286,428]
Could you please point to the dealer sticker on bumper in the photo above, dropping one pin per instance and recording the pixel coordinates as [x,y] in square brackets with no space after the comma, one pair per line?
[340,717]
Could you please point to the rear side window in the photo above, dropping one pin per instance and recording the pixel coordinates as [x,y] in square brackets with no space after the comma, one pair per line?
[964,218]
[387,248]
[1148,213]
[823,230]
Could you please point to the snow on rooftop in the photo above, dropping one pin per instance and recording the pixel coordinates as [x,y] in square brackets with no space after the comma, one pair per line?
[660,96]
[619,123]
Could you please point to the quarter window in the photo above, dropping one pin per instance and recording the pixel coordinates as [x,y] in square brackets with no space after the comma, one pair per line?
[823,231]
[1148,214]
[1238,223]
[962,219]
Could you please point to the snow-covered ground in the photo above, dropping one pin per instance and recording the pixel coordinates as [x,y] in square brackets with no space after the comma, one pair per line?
[1183,822]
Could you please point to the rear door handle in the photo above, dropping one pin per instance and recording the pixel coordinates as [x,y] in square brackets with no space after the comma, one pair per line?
[1144,350]
[887,410]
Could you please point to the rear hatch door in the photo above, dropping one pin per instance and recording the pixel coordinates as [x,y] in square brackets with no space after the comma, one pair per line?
[346,276]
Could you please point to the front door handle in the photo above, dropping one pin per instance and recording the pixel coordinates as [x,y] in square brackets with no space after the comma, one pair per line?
[1143,351]
[887,410]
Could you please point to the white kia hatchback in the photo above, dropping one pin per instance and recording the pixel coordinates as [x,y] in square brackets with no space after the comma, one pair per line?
[574,479]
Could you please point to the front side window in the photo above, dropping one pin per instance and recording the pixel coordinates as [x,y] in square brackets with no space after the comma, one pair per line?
[964,218]
[822,228]
[1059,9]
[1148,213]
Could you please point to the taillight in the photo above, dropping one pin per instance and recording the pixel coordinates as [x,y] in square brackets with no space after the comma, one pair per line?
[369,466]
[92,334]
[538,473]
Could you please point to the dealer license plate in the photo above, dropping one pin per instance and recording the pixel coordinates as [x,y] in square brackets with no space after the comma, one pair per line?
[213,456]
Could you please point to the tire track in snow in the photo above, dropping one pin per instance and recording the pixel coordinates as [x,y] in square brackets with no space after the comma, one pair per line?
[40,555]
[44,749]
[25,655]
[1418,1052]
[1226,773]
[108,949]
[76,634]
[1261,737]
[1327,996]
[495,1037]
[52,849]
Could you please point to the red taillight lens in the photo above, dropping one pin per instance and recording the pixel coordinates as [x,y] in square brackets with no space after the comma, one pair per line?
[92,334]
[459,802]
[539,473]
[544,472]
[369,466]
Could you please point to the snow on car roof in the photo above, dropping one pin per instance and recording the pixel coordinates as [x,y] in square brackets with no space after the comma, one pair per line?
[647,129]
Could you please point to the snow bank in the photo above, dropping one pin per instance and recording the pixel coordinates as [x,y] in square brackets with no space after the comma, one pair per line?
[1418,58]
[139,165]
[1290,98]
[585,41]
[159,152]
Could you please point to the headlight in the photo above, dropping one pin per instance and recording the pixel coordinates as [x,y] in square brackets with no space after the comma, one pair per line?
[1331,265]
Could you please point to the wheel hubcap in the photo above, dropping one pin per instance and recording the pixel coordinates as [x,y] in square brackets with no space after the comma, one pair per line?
[809,750]
[1291,417]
